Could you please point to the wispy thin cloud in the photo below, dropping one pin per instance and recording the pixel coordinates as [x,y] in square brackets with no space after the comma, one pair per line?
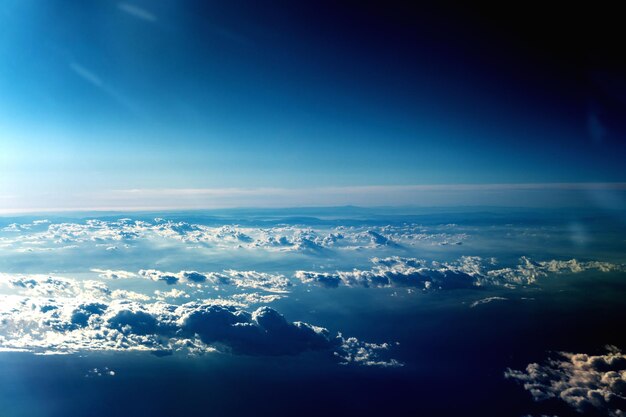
[371,189]
[86,75]
[506,195]
[93,79]
[137,12]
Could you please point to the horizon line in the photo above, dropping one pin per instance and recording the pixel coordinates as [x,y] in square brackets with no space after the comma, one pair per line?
[366,196]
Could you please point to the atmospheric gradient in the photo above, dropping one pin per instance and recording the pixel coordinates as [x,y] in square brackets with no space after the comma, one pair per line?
[311,208]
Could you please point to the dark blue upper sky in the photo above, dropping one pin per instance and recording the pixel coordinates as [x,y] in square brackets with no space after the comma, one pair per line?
[98,96]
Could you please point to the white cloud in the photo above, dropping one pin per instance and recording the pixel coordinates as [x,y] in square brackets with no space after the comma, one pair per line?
[117,235]
[129,295]
[399,272]
[173,293]
[99,372]
[487,301]
[324,279]
[466,272]
[256,298]
[260,280]
[528,271]
[48,325]
[242,279]
[113,274]
[584,382]
[155,275]
[363,353]
[41,285]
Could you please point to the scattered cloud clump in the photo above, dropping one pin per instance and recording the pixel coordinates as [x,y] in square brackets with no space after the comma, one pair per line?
[363,353]
[529,271]
[487,301]
[265,281]
[398,272]
[113,274]
[99,372]
[584,382]
[465,273]
[66,325]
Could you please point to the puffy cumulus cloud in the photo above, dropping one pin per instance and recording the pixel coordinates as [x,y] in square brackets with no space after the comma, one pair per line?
[217,278]
[14,227]
[193,276]
[307,242]
[81,315]
[267,332]
[378,239]
[466,272]
[189,277]
[232,233]
[113,274]
[398,272]
[155,275]
[241,300]
[256,298]
[363,353]
[173,293]
[129,295]
[313,240]
[17,227]
[50,236]
[40,285]
[242,279]
[226,235]
[95,230]
[297,239]
[270,241]
[44,325]
[56,287]
[262,332]
[324,279]
[584,382]
[276,283]
[528,271]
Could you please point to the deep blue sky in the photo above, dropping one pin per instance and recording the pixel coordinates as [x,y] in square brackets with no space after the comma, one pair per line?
[98,96]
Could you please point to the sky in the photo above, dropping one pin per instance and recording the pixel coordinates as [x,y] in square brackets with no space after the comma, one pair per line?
[425,199]
[166,98]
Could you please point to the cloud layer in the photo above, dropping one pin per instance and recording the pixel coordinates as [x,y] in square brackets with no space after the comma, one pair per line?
[44,325]
[114,234]
[466,272]
[63,315]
